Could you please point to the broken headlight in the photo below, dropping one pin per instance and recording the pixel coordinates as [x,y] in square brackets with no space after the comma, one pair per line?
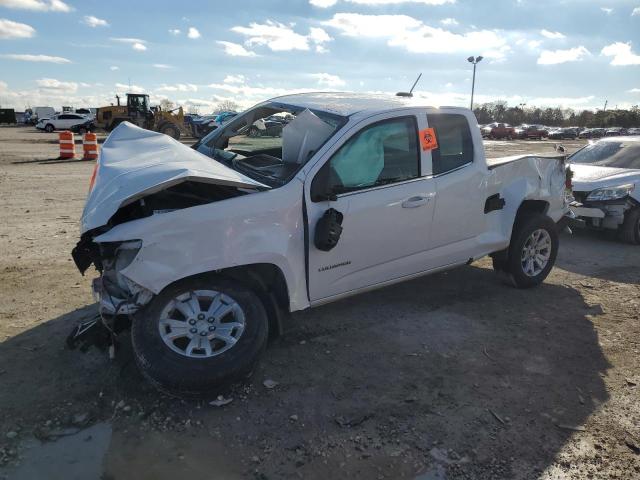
[610,193]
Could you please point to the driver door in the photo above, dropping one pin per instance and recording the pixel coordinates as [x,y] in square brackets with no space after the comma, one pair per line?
[376,182]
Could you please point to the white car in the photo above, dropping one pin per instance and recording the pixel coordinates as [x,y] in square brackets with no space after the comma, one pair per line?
[205,248]
[60,121]
[606,185]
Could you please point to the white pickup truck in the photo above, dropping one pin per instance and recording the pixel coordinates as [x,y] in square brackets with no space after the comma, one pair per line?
[205,248]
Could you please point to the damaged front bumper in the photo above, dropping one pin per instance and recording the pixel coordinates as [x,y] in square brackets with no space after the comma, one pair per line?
[602,215]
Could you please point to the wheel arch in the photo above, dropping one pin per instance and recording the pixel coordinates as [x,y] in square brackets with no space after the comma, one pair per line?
[531,206]
[267,281]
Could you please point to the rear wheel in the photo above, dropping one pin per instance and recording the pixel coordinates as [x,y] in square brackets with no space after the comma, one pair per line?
[49,128]
[630,229]
[532,252]
[200,334]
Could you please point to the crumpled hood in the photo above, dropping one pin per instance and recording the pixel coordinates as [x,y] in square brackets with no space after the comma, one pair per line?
[589,177]
[135,162]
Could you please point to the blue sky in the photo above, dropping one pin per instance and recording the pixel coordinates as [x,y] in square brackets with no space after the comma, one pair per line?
[573,53]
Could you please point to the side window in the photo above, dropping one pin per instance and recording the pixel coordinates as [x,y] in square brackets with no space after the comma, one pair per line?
[63,117]
[455,145]
[383,153]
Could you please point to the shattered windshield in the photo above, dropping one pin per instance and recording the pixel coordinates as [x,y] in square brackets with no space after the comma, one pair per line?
[270,143]
[619,154]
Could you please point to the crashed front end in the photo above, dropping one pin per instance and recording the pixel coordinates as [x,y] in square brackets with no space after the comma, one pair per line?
[140,175]
[604,208]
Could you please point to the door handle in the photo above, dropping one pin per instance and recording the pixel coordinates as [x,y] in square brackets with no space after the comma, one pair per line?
[415,202]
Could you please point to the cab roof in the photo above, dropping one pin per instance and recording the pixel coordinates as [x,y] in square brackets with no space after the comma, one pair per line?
[349,103]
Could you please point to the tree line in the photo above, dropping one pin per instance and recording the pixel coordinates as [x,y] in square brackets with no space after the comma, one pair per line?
[558,117]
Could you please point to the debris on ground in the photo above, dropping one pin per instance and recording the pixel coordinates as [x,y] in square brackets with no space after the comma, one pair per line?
[220,401]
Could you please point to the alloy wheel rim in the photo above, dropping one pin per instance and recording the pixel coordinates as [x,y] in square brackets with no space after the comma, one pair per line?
[536,253]
[201,323]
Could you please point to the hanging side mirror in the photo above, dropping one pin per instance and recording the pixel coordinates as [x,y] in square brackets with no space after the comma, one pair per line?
[328,230]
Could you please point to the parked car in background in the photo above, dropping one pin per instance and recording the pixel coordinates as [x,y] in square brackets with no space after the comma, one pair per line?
[615,132]
[589,133]
[531,132]
[563,134]
[606,186]
[61,121]
[498,131]
[298,221]
[82,128]
[633,131]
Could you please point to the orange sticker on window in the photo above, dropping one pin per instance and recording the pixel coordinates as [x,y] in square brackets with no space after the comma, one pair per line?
[428,139]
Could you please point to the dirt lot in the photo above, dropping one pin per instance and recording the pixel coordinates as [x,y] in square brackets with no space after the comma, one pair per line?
[450,376]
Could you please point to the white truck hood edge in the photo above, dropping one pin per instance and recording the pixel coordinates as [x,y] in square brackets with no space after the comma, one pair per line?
[135,162]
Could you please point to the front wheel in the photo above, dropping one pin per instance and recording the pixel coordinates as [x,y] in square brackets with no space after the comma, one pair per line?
[630,230]
[532,252]
[199,334]
[49,128]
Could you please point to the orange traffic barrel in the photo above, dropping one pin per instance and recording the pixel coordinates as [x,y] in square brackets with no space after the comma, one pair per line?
[67,145]
[90,146]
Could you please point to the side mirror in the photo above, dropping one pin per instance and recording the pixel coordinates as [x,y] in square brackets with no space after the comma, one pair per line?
[328,230]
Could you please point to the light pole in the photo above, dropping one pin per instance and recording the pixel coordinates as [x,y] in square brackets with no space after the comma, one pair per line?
[475,61]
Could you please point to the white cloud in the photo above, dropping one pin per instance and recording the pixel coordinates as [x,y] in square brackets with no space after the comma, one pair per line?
[113,68]
[331,3]
[51,85]
[449,22]
[162,66]
[276,36]
[606,10]
[634,90]
[323,3]
[234,79]
[9,29]
[122,88]
[193,33]
[416,37]
[279,37]
[328,80]
[534,44]
[621,53]
[635,12]
[236,50]
[552,35]
[554,57]
[175,31]
[36,58]
[136,43]
[94,22]
[37,5]
[178,87]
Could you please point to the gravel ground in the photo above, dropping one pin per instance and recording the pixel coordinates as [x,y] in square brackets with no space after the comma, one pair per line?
[449,376]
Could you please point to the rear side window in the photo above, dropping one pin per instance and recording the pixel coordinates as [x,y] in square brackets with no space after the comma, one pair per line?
[455,145]
[382,153]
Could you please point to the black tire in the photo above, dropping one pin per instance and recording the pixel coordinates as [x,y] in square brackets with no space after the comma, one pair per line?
[49,128]
[509,263]
[82,130]
[179,375]
[630,230]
